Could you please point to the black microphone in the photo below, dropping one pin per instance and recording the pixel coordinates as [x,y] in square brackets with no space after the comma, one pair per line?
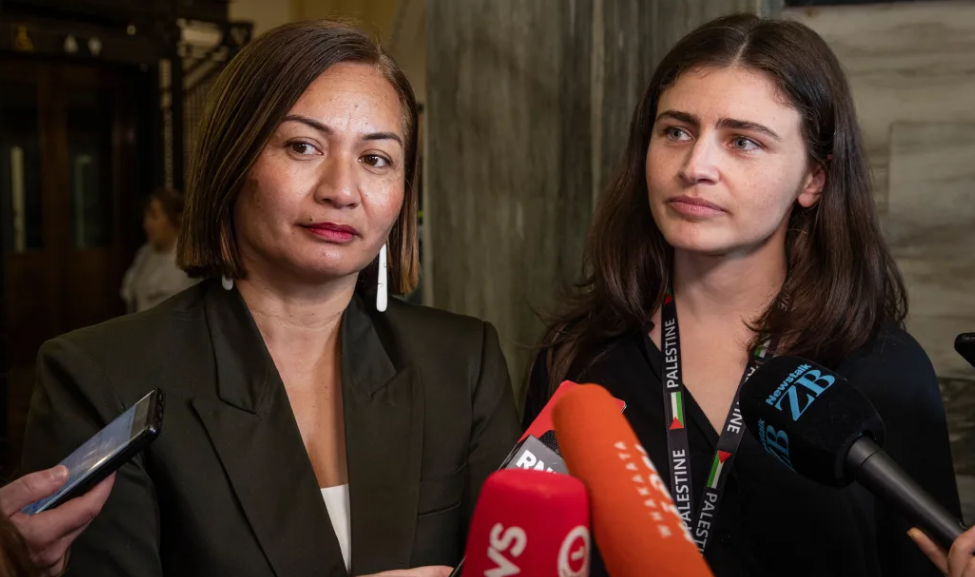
[536,454]
[965,345]
[816,423]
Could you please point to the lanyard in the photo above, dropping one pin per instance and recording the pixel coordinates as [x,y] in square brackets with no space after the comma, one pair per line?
[678,449]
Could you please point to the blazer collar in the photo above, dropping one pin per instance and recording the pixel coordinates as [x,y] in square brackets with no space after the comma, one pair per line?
[245,369]
[257,439]
[366,364]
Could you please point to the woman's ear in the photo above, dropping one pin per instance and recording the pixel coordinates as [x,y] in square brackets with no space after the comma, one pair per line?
[812,186]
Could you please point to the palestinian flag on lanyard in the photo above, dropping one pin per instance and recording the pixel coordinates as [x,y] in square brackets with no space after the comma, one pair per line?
[677,410]
[716,467]
[761,350]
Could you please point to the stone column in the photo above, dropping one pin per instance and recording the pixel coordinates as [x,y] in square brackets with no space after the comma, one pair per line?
[528,110]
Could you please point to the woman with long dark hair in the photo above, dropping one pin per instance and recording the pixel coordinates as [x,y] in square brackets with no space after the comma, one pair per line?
[743,214]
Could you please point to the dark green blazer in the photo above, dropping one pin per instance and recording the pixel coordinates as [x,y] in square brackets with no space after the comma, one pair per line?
[227,488]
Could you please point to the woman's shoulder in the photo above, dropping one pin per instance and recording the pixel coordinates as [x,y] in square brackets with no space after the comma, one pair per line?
[452,352]
[893,368]
[592,358]
[138,337]
[401,311]
[891,350]
[425,330]
[602,361]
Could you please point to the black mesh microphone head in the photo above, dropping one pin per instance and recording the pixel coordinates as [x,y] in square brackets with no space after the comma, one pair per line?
[549,440]
[808,417]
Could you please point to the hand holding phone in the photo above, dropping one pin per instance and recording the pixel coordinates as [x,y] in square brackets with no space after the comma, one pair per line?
[48,535]
[109,449]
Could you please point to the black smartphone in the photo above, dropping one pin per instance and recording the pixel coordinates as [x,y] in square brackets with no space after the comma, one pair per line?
[965,345]
[108,450]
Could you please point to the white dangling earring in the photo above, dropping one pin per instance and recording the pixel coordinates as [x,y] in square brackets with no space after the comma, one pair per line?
[382,293]
[227,282]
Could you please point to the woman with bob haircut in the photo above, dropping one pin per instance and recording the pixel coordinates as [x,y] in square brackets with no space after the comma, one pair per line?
[313,425]
[741,224]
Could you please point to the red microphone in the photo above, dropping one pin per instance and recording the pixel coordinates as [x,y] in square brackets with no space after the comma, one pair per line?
[636,526]
[543,424]
[529,523]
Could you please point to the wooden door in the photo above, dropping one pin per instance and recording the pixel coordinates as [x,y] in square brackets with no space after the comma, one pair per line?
[66,144]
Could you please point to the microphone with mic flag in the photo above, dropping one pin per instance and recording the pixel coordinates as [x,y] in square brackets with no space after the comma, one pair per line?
[529,523]
[536,454]
[816,423]
[538,448]
[965,346]
[636,526]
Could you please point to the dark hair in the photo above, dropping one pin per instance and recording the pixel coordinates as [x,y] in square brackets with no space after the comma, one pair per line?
[250,98]
[841,282]
[171,202]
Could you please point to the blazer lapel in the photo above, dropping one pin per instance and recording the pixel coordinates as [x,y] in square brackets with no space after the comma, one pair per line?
[383,409]
[254,432]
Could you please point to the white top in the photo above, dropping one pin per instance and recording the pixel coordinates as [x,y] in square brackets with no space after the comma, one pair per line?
[337,503]
[153,278]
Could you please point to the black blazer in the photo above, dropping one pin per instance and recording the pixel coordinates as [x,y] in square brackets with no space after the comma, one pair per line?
[227,488]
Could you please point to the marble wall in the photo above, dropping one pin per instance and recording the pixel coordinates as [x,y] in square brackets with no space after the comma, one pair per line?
[905,62]
[508,176]
[912,70]
[407,42]
[930,223]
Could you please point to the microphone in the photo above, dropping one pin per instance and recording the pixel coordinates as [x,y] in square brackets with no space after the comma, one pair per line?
[636,526]
[538,448]
[529,523]
[816,423]
[536,454]
[965,345]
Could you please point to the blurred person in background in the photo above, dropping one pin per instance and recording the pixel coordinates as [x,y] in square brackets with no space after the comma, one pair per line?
[312,426]
[154,276]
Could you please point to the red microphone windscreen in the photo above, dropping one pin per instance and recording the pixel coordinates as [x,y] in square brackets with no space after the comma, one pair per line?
[543,421]
[529,523]
[635,524]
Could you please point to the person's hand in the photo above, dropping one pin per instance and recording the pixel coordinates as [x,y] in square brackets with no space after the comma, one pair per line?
[958,562]
[432,571]
[49,534]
